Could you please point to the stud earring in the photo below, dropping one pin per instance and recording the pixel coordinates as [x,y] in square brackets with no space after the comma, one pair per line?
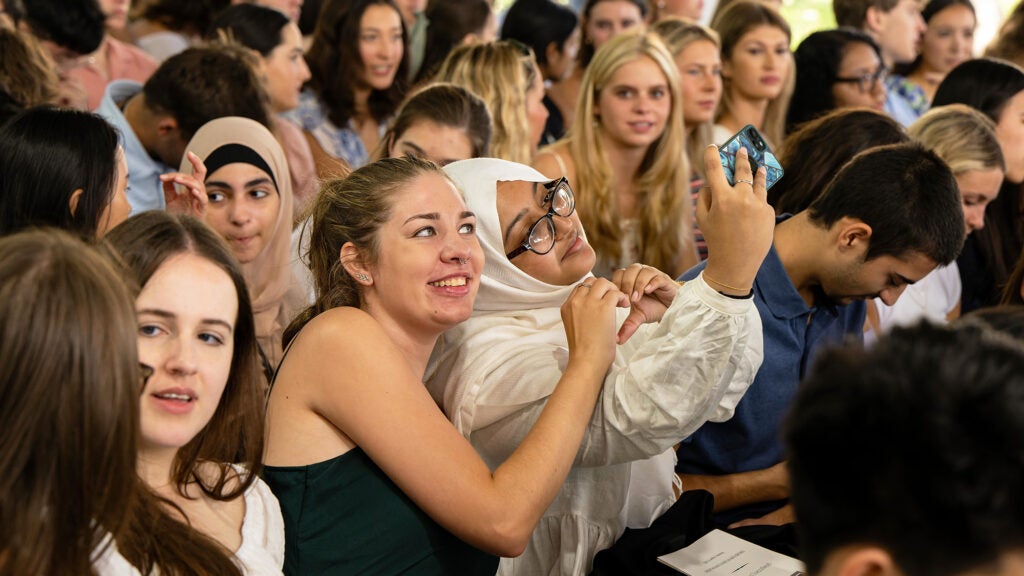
[362,277]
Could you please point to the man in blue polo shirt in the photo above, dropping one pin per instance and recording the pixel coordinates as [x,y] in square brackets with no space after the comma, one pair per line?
[890,216]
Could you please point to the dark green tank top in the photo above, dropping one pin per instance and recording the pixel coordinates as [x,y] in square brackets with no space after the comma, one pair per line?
[345,516]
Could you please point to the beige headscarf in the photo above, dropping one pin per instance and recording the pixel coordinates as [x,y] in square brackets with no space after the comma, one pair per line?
[269,275]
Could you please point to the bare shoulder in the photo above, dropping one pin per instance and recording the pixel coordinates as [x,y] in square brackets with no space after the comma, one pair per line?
[344,326]
[554,161]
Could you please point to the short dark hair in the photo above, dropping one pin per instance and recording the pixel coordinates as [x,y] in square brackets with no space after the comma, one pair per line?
[41,166]
[854,12]
[985,84]
[450,22]
[814,153]
[77,25]
[189,16]
[908,196]
[915,445]
[335,65]
[538,23]
[817,60]
[252,25]
[205,83]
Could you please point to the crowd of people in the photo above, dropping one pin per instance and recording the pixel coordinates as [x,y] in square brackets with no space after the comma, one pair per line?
[418,287]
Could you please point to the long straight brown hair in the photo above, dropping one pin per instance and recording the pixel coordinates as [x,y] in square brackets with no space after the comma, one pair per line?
[69,389]
[234,433]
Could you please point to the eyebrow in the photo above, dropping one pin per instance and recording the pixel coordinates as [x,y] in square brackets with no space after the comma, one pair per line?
[250,184]
[414,148]
[519,216]
[171,316]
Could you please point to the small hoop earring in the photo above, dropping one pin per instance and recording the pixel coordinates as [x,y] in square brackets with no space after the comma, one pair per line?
[362,277]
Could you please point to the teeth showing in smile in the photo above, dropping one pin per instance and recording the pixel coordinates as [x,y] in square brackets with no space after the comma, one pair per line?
[172,396]
[461,281]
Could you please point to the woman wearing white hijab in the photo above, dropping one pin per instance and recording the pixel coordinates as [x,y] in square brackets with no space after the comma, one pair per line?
[690,362]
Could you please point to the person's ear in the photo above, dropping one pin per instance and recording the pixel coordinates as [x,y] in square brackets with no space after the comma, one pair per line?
[726,69]
[852,234]
[874,20]
[73,201]
[352,260]
[552,54]
[862,561]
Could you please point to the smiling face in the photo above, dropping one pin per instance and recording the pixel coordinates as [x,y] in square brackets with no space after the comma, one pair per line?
[380,45]
[978,188]
[119,209]
[186,312]
[1010,133]
[286,70]
[858,60]
[429,140]
[243,208]
[949,38]
[609,18]
[520,205]
[635,104]
[700,71]
[428,270]
[759,64]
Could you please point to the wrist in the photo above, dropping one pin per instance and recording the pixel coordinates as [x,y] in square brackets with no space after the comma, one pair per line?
[728,286]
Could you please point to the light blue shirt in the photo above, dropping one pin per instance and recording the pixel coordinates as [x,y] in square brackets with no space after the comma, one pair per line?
[145,191]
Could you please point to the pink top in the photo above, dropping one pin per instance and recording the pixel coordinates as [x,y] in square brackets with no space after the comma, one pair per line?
[124,62]
[300,164]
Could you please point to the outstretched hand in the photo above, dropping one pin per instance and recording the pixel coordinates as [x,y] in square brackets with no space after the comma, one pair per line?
[650,293]
[186,194]
[737,222]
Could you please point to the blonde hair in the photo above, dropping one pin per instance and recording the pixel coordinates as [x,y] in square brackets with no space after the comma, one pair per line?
[678,33]
[662,178]
[964,138]
[500,73]
[732,24]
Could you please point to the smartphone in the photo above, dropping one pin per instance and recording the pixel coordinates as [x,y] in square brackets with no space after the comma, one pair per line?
[758,153]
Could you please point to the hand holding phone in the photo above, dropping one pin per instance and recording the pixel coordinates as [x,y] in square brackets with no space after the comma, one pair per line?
[758,153]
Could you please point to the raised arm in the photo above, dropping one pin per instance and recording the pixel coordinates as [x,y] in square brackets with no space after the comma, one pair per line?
[382,406]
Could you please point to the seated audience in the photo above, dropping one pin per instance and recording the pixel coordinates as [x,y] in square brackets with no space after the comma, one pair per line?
[965,139]
[370,475]
[156,120]
[682,355]
[505,76]
[839,68]
[201,405]
[757,71]
[906,458]
[279,44]
[897,27]
[61,168]
[70,387]
[627,159]
[887,219]
[359,64]
[996,88]
[552,31]
[250,207]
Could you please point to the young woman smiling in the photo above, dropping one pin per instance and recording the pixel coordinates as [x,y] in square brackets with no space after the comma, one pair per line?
[626,158]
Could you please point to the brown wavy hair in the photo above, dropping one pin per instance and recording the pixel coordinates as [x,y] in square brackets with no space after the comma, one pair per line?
[235,432]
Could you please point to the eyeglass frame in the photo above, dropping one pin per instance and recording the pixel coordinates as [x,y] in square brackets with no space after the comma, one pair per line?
[549,198]
[879,75]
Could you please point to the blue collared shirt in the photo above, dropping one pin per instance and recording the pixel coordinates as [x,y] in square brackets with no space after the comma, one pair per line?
[793,334]
[145,191]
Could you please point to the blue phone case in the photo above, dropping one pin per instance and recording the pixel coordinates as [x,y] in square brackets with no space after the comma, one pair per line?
[758,153]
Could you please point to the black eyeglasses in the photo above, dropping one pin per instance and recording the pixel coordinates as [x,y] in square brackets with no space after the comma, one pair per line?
[145,373]
[866,82]
[541,238]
